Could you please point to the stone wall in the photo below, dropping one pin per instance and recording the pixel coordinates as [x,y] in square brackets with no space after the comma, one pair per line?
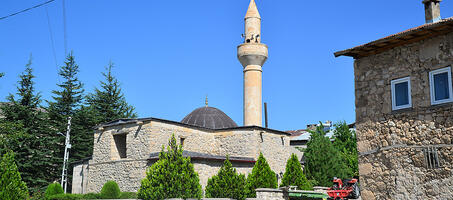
[392,144]
[149,136]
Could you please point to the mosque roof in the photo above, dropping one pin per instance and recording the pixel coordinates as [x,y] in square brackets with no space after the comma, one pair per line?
[209,117]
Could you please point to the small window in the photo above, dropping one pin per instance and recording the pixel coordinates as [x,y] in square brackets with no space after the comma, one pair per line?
[401,93]
[440,85]
[120,142]
[431,157]
[181,141]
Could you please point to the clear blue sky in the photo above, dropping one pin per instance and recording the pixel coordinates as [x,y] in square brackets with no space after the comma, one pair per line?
[170,54]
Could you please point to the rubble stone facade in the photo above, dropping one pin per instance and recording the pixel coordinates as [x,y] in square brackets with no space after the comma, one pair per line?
[408,153]
[148,136]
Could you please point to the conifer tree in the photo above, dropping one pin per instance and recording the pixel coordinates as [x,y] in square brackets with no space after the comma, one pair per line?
[108,102]
[226,184]
[11,185]
[323,160]
[262,176]
[68,99]
[294,176]
[27,133]
[346,143]
[172,176]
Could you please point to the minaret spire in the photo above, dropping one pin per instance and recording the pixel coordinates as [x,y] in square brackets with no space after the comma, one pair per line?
[252,54]
[252,11]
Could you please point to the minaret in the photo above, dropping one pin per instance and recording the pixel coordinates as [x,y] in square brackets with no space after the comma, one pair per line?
[252,54]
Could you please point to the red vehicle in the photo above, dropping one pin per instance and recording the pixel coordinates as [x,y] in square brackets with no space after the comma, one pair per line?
[348,190]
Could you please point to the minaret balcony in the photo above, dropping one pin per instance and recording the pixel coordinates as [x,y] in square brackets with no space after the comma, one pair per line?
[252,54]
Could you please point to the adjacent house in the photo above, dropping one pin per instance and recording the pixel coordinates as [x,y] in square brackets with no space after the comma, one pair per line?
[404,111]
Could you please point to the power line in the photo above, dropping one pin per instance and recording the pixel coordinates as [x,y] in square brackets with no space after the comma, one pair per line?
[64,31]
[25,10]
[51,40]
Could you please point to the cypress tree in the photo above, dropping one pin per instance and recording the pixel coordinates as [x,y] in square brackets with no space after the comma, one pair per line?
[172,176]
[323,160]
[294,176]
[11,185]
[262,176]
[226,184]
[108,103]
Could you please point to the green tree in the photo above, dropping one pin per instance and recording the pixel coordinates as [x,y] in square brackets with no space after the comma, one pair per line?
[262,176]
[172,176]
[294,176]
[226,184]
[346,143]
[11,185]
[27,132]
[109,103]
[323,160]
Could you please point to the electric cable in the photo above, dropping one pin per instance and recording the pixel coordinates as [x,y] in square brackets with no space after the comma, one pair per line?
[25,10]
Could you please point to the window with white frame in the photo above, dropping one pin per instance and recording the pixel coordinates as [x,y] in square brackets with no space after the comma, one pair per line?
[440,85]
[401,93]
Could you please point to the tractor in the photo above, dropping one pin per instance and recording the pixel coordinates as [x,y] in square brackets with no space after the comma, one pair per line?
[342,191]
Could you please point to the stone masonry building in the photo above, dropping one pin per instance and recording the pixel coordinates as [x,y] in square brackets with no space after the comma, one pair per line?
[125,148]
[404,106]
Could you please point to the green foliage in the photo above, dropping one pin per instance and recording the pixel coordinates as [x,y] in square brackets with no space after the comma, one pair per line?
[110,190]
[26,131]
[109,103]
[128,195]
[11,185]
[172,176]
[262,176]
[294,176]
[53,189]
[226,184]
[323,160]
[346,143]
[66,197]
[92,196]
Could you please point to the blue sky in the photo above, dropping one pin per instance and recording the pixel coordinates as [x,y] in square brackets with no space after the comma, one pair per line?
[170,54]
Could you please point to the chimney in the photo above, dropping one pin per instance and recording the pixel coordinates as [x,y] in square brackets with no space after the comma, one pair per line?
[432,10]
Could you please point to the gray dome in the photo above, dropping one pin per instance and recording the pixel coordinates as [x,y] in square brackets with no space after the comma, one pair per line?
[209,117]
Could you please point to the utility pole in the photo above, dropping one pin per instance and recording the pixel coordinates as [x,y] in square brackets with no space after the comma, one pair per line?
[64,173]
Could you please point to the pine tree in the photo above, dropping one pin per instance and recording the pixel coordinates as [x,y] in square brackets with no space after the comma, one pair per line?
[227,183]
[294,176]
[109,103]
[11,185]
[346,143]
[262,176]
[28,134]
[172,176]
[323,160]
[67,102]
[68,99]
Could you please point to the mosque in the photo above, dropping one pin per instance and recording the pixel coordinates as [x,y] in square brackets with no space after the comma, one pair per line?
[125,148]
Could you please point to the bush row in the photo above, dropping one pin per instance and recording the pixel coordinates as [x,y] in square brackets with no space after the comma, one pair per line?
[110,190]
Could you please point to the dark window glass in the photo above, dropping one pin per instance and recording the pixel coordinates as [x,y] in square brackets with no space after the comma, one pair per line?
[402,94]
[441,89]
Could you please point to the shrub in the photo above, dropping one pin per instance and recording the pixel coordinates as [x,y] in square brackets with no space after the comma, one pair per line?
[91,196]
[11,185]
[294,176]
[110,190]
[261,177]
[172,176]
[226,184]
[66,197]
[53,189]
[128,195]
